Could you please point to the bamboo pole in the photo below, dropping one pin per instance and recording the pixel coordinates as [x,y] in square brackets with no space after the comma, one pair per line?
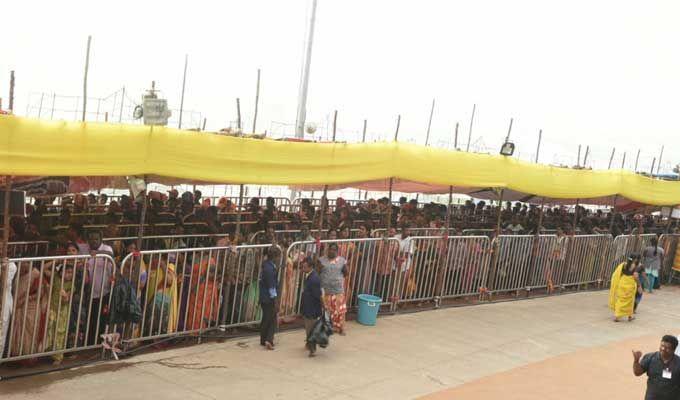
[472,118]
[637,158]
[239,210]
[142,218]
[578,157]
[658,166]
[611,159]
[585,157]
[257,99]
[538,146]
[455,138]
[623,162]
[42,96]
[11,92]
[500,212]
[429,125]
[4,259]
[122,101]
[87,68]
[184,82]
[391,183]
[324,200]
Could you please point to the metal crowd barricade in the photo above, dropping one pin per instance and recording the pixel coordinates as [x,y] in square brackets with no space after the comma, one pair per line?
[371,266]
[582,259]
[669,244]
[28,249]
[292,235]
[57,307]
[193,291]
[542,265]
[170,241]
[478,232]
[443,267]
[622,247]
[510,264]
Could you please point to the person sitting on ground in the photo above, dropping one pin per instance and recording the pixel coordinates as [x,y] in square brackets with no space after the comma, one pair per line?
[662,369]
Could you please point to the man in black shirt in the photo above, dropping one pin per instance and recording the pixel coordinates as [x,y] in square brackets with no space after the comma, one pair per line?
[662,368]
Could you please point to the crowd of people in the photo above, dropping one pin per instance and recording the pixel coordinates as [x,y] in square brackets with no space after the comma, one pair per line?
[65,304]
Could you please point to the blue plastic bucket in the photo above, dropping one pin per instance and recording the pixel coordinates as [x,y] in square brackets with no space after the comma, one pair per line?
[368,309]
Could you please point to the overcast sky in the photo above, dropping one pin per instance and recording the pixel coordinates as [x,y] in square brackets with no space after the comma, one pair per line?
[598,73]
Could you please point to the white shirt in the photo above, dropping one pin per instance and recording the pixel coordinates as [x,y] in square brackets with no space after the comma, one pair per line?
[100,270]
[405,252]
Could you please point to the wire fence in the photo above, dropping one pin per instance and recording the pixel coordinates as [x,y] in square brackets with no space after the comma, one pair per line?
[116,107]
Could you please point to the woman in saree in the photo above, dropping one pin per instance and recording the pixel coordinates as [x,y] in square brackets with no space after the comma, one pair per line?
[624,287]
[62,293]
[161,311]
[347,250]
[204,298]
[333,275]
[30,308]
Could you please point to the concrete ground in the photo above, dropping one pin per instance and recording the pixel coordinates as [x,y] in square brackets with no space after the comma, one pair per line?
[561,347]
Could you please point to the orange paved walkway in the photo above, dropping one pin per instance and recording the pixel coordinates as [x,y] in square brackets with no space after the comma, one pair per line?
[603,372]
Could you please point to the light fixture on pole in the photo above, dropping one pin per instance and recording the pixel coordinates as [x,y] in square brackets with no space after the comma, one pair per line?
[508,147]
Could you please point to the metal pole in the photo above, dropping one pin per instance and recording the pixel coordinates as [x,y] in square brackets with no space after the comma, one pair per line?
[304,84]
[651,171]
[87,68]
[396,132]
[205,121]
[122,100]
[538,147]
[363,134]
[509,130]
[106,116]
[611,158]
[184,82]
[578,157]
[429,125]
[585,157]
[4,260]
[637,158]
[658,166]
[472,118]
[11,92]
[257,99]
[455,138]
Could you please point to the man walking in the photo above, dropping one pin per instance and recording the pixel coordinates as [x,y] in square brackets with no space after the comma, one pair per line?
[662,368]
[269,297]
[311,301]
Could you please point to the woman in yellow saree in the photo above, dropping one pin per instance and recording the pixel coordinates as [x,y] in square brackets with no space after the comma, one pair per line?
[161,297]
[624,287]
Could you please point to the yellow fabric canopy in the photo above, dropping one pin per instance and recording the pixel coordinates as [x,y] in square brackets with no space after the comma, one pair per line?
[35,148]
